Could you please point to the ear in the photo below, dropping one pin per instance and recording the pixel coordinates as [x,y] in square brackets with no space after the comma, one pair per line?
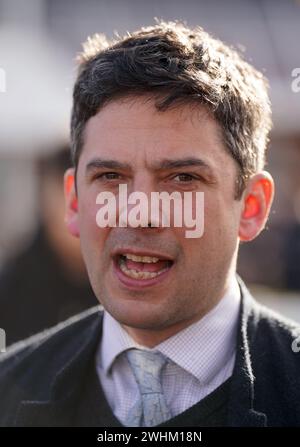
[257,198]
[71,211]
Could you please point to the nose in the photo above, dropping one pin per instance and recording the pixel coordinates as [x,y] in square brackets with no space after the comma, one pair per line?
[140,211]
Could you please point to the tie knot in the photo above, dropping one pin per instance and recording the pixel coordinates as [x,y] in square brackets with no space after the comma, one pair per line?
[147,367]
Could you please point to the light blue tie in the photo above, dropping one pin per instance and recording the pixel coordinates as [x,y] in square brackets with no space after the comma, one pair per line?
[151,408]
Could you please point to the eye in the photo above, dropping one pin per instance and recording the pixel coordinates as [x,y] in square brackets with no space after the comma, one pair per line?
[108,176]
[184,177]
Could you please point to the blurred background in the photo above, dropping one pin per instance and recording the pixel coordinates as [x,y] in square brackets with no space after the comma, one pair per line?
[42,276]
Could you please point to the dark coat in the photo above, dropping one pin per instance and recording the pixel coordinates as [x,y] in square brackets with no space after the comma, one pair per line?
[40,377]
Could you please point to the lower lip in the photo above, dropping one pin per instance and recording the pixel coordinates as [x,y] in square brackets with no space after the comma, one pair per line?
[138,283]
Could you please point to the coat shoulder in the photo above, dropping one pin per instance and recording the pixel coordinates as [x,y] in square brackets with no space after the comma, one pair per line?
[264,325]
[29,367]
[49,340]
[278,327]
[274,342]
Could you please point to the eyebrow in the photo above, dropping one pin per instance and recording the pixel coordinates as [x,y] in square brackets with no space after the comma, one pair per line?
[99,163]
[166,163]
[181,163]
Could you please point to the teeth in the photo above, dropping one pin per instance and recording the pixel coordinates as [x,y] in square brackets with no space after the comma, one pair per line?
[138,275]
[147,259]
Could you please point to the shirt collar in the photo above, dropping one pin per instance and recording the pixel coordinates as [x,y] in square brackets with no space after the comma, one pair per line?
[215,336]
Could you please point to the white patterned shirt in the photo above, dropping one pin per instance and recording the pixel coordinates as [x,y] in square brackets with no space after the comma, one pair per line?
[200,358]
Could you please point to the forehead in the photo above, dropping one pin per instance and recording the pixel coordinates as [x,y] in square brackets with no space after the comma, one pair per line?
[133,130]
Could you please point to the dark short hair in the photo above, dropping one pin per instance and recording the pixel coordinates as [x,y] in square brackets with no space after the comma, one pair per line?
[177,65]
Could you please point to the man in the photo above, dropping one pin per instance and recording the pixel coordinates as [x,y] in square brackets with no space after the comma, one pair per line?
[180,341]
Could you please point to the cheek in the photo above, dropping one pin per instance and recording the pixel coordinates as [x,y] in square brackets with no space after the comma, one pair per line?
[220,226]
[87,211]
[90,234]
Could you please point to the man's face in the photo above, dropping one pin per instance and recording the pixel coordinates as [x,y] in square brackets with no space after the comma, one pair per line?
[134,134]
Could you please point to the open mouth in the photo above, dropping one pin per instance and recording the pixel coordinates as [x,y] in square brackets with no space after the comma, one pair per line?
[141,268]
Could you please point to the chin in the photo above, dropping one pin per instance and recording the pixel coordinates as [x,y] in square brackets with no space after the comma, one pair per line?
[139,319]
